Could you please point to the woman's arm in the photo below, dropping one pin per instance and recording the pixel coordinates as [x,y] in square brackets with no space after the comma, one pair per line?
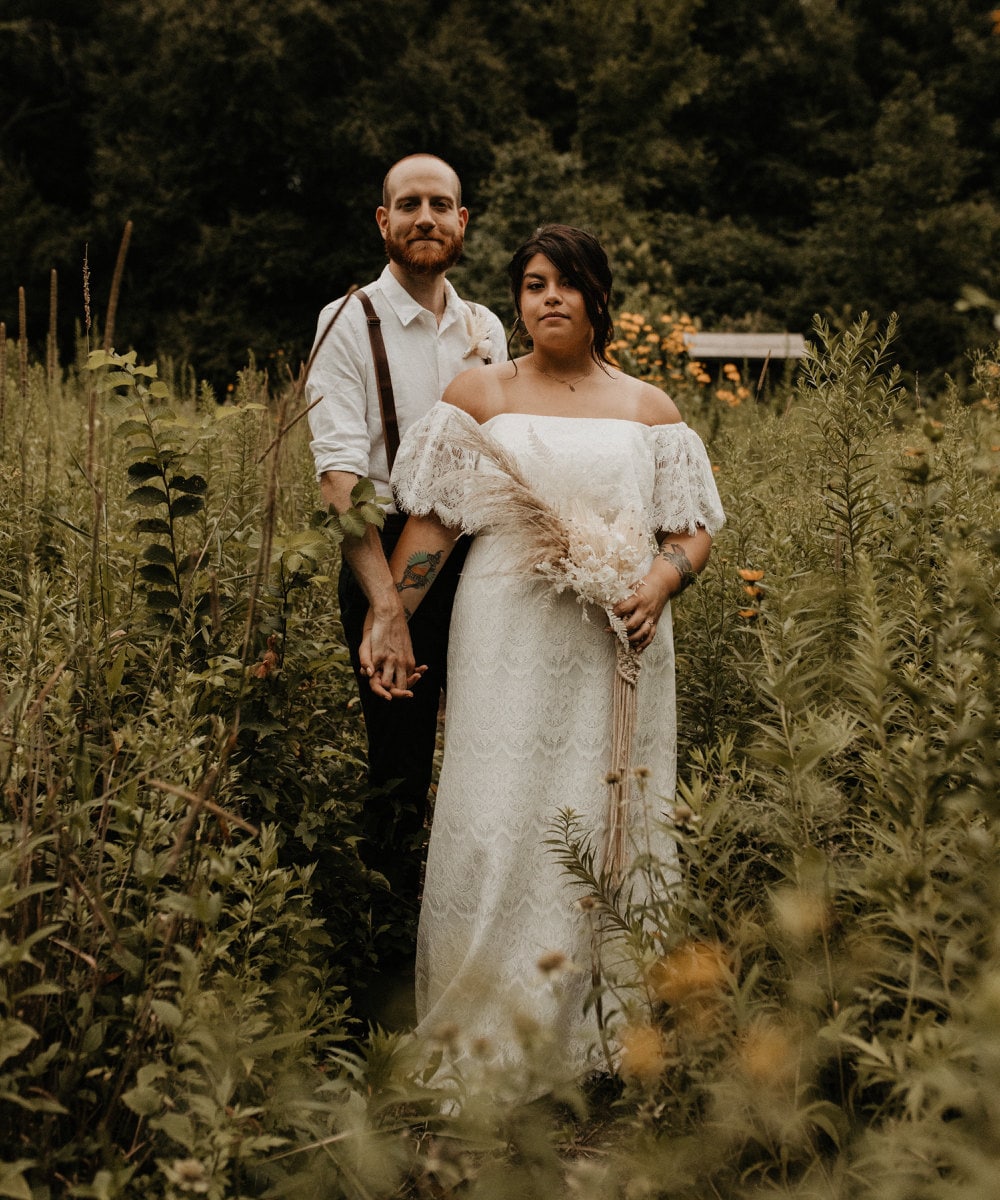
[681,557]
[420,554]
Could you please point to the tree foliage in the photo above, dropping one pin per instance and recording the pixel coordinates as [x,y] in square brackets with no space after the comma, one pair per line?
[763,161]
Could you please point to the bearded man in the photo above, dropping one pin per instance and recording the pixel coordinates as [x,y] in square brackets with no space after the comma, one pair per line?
[429,336]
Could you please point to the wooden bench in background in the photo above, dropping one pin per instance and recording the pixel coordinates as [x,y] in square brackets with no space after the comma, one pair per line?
[735,347]
[746,348]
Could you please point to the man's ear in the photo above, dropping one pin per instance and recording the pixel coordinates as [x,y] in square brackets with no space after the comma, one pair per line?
[382,218]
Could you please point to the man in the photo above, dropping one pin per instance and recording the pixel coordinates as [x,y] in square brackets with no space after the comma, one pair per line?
[429,335]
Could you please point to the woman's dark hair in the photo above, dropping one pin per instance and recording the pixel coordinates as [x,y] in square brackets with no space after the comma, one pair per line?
[578,256]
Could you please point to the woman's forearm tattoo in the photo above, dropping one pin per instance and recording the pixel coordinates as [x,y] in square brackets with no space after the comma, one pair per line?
[420,571]
[673,553]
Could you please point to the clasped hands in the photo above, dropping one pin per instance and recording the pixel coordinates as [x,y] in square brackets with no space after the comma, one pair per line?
[386,655]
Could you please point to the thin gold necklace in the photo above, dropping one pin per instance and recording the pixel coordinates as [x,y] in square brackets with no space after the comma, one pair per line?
[565,382]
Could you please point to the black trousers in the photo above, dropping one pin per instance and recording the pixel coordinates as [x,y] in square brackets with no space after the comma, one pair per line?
[401,733]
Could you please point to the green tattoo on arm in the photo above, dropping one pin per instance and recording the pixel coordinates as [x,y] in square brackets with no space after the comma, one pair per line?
[421,569]
[674,553]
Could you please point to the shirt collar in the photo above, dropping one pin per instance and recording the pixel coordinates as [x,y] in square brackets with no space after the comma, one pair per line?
[407,309]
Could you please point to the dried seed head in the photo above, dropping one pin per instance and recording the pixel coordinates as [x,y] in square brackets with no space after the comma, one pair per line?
[446,1033]
[552,961]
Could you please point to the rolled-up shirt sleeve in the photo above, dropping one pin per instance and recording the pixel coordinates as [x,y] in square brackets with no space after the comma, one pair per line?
[336,391]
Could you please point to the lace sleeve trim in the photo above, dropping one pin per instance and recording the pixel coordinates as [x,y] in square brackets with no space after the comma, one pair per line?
[684,493]
[433,470]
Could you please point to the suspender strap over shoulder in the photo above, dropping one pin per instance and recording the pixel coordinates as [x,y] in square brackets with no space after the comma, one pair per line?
[383,380]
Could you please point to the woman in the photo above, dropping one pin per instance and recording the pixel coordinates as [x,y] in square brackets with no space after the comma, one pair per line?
[529,722]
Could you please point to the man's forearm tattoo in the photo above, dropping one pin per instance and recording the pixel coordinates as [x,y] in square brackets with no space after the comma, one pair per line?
[421,569]
[674,554]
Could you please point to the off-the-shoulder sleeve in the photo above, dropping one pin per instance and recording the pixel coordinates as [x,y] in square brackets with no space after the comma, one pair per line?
[684,493]
[434,466]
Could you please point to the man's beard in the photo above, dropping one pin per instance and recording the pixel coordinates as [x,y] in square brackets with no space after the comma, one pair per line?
[430,258]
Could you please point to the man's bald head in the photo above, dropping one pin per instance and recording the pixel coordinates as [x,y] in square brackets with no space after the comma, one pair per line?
[420,162]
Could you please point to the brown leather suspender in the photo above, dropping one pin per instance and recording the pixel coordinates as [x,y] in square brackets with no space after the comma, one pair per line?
[383,380]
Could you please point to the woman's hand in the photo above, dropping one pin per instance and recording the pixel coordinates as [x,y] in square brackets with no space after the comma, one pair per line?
[642,610]
[680,557]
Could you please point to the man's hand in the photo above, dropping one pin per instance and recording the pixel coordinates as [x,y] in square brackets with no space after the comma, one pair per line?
[386,654]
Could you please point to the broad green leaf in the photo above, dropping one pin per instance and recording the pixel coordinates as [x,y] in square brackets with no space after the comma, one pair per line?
[353,524]
[194,485]
[157,573]
[143,470]
[93,1039]
[131,427]
[158,554]
[168,1014]
[186,506]
[176,1126]
[363,492]
[162,601]
[373,514]
[145,1101]
[14,1037]
[113,677]
[147,496]
[152,525]
[12,1180]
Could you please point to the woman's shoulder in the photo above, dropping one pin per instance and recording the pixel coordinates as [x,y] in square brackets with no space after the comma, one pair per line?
[479,391]
[649,405]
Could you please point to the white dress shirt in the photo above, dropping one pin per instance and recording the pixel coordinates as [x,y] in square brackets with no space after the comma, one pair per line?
[424,357]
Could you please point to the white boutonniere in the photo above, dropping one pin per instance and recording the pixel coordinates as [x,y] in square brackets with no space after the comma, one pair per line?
[477,326]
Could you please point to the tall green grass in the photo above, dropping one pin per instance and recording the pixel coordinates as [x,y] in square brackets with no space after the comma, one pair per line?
[184,918]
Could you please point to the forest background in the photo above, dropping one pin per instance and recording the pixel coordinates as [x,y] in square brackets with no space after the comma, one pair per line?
[752,164]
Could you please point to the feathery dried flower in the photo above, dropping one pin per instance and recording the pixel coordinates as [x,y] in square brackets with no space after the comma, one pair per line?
[478,329]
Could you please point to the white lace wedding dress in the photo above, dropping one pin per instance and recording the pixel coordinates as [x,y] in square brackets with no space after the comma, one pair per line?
[528,732]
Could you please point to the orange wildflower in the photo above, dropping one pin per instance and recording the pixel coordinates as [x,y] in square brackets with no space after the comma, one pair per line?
[643,1053]
[768,1055]
[750,575]
[690,971]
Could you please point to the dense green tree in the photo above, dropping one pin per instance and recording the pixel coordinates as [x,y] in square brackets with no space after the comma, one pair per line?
[759,157]
[532,183]
[902,233]
[44,195]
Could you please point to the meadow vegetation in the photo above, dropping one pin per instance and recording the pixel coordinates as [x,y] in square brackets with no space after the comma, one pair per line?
[185,922]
